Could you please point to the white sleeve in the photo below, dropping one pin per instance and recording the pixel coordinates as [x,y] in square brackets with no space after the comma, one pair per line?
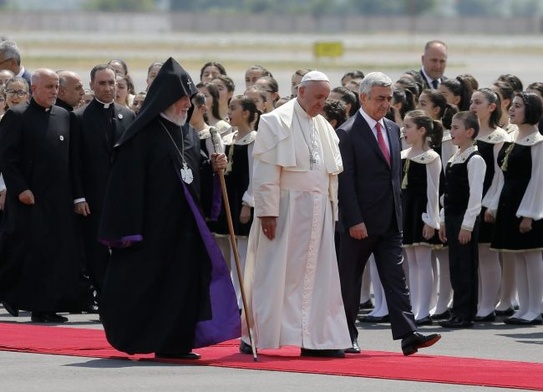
[248,195]
[266,180]
[431,216]
[531,206]
[2,183]
[476,171]
[497,180]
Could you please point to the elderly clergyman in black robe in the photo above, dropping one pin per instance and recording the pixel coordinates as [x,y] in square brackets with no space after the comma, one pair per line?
[167,288]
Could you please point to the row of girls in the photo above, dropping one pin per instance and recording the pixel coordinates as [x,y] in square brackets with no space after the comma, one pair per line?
[510,239]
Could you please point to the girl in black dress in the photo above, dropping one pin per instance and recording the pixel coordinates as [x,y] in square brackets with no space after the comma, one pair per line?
[518,211]
[486,105]
[420,207]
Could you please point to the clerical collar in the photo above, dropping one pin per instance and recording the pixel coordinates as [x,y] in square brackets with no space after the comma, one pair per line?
[105,105]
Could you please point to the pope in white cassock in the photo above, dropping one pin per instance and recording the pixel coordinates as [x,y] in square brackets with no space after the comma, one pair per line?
[291,276]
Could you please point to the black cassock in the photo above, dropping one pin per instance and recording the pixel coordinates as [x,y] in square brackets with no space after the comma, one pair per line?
[40,254]
[157,287]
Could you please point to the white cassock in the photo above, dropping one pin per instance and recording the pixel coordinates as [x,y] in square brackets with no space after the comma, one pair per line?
[292,282]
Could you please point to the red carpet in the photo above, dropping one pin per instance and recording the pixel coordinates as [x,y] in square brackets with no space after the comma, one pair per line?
[373,364]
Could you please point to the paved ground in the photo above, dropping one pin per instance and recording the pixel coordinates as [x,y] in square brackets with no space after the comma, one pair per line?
[21,372]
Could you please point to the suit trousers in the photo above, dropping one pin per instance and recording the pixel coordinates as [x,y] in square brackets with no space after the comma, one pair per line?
[387,250]
[463,267]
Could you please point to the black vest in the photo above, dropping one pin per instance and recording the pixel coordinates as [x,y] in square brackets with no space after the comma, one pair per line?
[456,195]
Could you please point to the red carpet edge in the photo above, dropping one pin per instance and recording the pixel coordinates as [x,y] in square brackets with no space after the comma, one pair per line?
[80,342]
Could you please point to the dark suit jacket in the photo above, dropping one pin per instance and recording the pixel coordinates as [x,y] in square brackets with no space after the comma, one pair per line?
[369,190]
[92,151]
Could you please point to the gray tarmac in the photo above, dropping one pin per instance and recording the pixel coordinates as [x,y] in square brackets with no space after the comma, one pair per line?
[22,372]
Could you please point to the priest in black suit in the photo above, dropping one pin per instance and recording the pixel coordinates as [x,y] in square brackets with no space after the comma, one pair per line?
[40,269]
[70,91]
[95,129]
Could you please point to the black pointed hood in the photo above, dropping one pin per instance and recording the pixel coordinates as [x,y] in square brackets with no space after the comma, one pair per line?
[171,84]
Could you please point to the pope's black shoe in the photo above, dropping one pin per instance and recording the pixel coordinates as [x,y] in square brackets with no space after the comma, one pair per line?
[306,352]
[354,349]
[412,343]
[190,355]
[245,348]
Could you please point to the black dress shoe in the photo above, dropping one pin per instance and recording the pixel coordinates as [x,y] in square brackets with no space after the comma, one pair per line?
[507,312]
[441,316]
[412,343]
[374,319]
[456,322]
[11,309]
[307,352]
[521,321]
[245,348]
[424,321]
[366,305]
[47,317]
[354,349]
[489,317]
[190,355]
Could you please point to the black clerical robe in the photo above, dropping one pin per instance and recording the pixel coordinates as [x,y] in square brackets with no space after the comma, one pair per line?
[40,267]
[95,128]
[157,286]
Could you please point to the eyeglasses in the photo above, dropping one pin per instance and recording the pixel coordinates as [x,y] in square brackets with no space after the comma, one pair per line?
[19,93]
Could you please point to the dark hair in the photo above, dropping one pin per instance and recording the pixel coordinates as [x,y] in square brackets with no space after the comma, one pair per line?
[100,67]
[19,79]
[155,64]
[257,67]
[513,80]
[505,90]
[214,92]
[348,97]
[533,107]
[471,80]
[272,85]
[417,78]
[492,97]
[434,128]
[219,66]
[538,86]
[261,92]
[121,62]
[248,104]
[405,97]
[228,82]
[355,74]
[198,100]
[129,83]
[334,109]
[470,120]
[302,71]
[460,87]
[446,110]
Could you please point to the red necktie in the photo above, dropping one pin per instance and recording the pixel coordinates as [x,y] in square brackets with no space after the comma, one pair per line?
[382,144]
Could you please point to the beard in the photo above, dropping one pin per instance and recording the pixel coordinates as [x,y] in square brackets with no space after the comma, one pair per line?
[177,119]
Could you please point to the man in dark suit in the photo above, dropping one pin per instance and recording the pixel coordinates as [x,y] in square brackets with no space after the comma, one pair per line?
[10,58]
[434,62]
[95,128]
[70,91]
[370,209]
